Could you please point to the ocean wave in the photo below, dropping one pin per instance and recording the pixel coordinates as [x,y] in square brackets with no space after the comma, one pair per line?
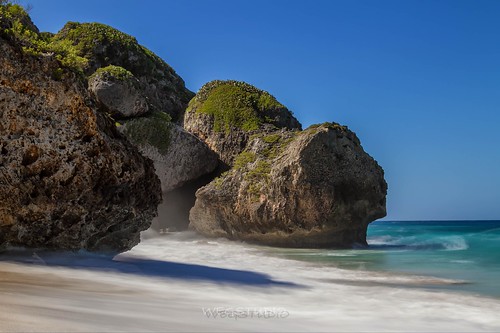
[449,243]
[462,261]
[337,254]
[454,243]
[380,240]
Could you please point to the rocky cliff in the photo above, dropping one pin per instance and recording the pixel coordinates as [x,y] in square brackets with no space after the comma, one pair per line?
[312,188]
[224,114]
[68,178]
[144,96]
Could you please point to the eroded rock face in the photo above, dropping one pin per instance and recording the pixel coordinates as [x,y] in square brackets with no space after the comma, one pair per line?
[315,188]
[178,156]
[119,92]
[103,45]
[68,179]
[225,114]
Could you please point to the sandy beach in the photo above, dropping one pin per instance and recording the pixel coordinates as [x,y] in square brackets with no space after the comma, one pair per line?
[184,283]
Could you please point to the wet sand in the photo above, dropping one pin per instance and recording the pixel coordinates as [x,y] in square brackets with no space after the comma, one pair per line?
[179,285]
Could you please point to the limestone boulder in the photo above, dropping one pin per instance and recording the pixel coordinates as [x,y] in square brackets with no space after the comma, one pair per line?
[225,114]
[119,91]
[312,188]
[179,157]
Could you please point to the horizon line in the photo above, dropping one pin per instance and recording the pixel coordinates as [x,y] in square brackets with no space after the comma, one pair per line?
[437,220]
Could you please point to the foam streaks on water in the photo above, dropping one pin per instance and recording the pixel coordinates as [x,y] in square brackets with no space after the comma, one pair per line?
[166,282]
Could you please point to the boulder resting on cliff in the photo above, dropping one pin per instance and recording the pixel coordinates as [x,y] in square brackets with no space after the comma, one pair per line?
[178,156]
[224,114]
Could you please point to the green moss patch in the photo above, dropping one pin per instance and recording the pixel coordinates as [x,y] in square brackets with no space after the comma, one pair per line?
[256,165]
[152,130]
[330,125]
[272,138]
[113,72]
[104,45]
[234,104]
[260,171]
[275,143]
[243,159]
[87,35]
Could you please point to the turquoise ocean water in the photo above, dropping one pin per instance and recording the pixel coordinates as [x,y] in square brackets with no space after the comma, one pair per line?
[466,251]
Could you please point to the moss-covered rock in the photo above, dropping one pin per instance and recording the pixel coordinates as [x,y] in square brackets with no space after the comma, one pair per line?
[152,130]
[311,188]
[113,72]
[226,113]
[118,90]
[239,105]
[103,45]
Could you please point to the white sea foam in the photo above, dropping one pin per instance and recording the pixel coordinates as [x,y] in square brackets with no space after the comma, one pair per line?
[451,243]
[170,283]
[455,243]
[380,240]
[336,254]
[462,261]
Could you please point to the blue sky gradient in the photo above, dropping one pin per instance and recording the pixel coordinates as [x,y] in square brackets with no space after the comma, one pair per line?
[418,81]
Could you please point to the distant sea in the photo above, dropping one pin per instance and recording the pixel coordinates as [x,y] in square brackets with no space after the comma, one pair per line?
[467,252]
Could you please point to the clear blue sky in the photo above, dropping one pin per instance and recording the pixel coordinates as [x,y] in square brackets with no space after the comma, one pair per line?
[418,81]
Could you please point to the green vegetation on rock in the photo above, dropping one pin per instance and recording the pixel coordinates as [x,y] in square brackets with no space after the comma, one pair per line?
[256,164]
[339,129]
[330,125]
[260,171]
[104,45]
[153,130]
[113,72]
[276,143]
[67,55]
[16,23]
[87,35]
[11,11]
[272,138]
[234,104]
[243,159]
[220,180]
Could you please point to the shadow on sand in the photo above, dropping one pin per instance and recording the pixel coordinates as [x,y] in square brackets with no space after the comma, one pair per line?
[144,267]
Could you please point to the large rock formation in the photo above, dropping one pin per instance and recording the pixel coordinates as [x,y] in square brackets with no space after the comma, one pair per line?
[224,114]
[68,178]
[102,46]
[178,156]
[315,188]
[146,93]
